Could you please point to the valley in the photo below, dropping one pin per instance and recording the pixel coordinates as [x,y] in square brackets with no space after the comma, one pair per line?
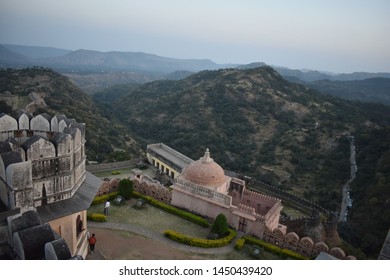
[254,121]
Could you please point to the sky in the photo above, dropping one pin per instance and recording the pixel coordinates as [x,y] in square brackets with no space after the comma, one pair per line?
[340,36]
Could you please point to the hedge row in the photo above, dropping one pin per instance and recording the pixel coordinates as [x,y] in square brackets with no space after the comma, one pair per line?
[239,243]
[274,249]
[200,242]
[96,217]
[173,210]
[103,198]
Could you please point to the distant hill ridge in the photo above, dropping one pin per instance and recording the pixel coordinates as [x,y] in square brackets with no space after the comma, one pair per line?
[65,60]
[93,70]
[107,61]
[42,90]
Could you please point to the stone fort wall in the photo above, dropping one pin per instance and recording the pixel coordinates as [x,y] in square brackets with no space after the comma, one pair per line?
[304,246]
[48,151]
[143,184]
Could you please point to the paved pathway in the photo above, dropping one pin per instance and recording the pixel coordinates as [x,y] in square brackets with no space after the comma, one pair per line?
[159,237]
[345,201]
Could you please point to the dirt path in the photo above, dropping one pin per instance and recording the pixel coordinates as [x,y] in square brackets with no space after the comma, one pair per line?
[114,245]
[123,241]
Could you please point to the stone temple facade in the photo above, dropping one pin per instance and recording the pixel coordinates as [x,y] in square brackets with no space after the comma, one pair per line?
[42,167]
[203,188]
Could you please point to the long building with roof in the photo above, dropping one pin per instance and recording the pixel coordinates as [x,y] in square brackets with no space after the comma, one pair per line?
[166,159]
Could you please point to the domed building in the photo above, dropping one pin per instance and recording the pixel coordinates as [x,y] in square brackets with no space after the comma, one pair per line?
[205,189]
[206,172]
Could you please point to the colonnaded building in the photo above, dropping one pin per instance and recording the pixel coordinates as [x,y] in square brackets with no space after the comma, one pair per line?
[44,187]
[202,187]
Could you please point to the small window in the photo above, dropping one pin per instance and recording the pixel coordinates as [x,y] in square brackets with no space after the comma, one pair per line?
[79,225]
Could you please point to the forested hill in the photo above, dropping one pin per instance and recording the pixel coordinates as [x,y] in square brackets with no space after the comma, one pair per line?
[368,90]
[252,120]
[42,90]
[256,123]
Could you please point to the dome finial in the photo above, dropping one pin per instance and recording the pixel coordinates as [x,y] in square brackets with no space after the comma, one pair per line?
[206,157]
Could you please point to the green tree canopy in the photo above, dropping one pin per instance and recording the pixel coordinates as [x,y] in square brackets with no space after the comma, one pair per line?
[126,188]
[220,225]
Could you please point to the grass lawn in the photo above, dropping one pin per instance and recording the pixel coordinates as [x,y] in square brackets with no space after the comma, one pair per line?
[151,218]
[157,220]
[124,172]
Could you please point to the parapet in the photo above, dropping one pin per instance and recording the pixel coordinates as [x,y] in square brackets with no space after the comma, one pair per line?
[40,124]
[27,131]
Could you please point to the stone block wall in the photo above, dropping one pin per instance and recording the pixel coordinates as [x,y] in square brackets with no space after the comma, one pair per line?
[153,189]
[53,149]
[108,186]
[304,246]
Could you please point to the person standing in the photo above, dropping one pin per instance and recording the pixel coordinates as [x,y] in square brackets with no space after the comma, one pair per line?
[92,242]
[106,207]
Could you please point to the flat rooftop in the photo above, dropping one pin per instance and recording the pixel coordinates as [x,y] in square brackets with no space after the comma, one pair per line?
[170,154]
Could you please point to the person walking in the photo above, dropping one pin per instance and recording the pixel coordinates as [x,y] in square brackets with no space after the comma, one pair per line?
[106,207]
[92,242]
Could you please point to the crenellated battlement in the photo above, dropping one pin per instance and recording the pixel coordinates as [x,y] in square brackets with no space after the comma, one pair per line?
[247,208]
[43,125]
[49,150]
[251,211]
[42,122]
[261,196]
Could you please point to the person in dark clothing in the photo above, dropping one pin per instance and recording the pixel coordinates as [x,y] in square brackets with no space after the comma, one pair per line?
[92,242]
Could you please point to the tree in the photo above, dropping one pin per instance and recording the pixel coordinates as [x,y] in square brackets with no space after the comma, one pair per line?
[220,225]
[126,188]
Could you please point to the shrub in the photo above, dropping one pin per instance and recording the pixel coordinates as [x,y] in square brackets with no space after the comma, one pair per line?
[115,172]
[239,243]
[274,249]
[220,225]
[200,242]
[97,217]
[126,187]
[103,198]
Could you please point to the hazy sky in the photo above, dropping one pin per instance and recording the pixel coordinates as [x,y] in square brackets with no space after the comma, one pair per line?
[331,35]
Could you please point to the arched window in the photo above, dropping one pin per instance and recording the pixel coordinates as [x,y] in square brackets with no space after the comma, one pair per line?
[44,198]
[79,225]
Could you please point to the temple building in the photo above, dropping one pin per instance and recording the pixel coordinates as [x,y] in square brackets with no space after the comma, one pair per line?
[202,187]
[205,188]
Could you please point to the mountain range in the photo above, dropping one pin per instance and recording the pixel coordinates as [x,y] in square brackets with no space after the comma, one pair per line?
[254,122]
[93,71]
[94,61]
